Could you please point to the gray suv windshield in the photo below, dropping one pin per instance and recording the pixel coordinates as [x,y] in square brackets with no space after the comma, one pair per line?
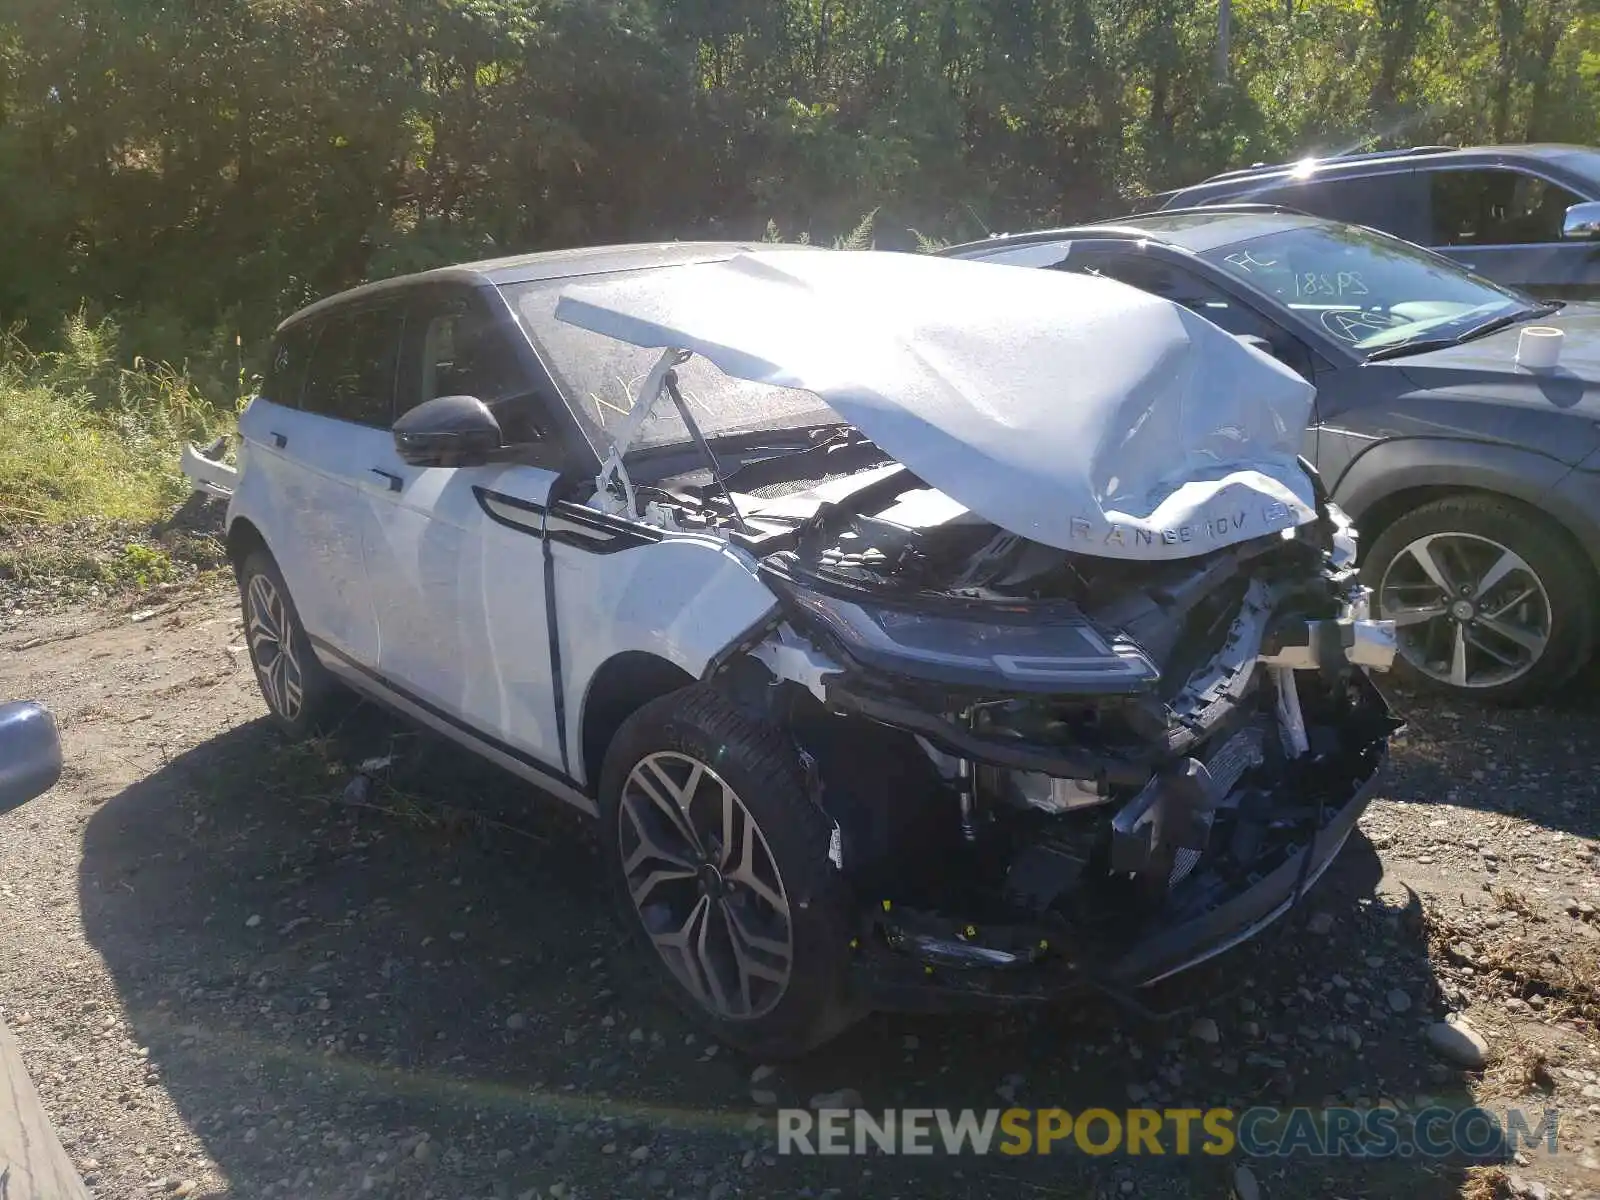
[1369,291]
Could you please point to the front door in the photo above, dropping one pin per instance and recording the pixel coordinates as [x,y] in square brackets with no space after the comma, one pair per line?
[1506,225]
[454,554]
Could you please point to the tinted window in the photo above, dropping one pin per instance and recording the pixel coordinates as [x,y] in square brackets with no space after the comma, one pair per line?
[464,353]
[1363,288]
[286,370]
[1496,208]
[353,367]
[1376,200]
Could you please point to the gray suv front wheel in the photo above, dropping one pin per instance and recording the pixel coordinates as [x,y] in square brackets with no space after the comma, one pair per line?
[1490,600]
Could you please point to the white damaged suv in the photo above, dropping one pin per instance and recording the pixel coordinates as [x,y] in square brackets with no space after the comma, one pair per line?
[918,632]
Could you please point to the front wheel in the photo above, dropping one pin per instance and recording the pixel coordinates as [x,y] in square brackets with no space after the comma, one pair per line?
[719,862]
[1489,599]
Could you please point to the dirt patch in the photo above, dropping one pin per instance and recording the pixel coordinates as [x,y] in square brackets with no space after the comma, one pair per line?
[228,969]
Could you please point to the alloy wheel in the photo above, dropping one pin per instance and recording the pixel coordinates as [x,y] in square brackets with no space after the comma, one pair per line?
[272,648]
[1468,611]
[705,885]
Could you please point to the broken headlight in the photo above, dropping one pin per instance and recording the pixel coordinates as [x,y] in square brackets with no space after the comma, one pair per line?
[997,649]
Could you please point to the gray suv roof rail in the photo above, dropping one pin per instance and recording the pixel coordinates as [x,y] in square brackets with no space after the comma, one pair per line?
[1365,156]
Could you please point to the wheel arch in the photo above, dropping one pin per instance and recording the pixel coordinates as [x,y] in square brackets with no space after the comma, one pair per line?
[1399,476]
[623,684]
[243,539]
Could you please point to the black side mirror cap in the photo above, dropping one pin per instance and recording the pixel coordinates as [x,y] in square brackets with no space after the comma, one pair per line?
[448,431]
[30,753]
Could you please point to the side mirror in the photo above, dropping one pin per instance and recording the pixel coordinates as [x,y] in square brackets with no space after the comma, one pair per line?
[448,431]
[1582,222]
[30,753]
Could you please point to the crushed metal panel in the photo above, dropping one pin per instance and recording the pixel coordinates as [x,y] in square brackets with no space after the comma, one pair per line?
[1075,411]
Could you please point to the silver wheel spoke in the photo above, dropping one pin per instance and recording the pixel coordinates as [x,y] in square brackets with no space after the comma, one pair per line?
[275,682]
[1502,610]
[1533,643]
[678,948]
[1510,660]
[1423,552]
[652,780]
[1503,566]
[1458,658]
[1415,616]
[745,942]
[750,842]
[708,967]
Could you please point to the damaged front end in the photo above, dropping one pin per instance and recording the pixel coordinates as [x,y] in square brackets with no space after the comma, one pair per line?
[1049,770]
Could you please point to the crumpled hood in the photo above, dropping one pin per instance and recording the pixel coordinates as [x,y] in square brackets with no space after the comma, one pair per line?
[1074,411]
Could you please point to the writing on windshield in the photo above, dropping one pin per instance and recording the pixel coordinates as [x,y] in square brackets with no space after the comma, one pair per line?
[1366,290]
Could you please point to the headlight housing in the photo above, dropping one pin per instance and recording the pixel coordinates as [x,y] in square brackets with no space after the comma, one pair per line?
[997,648]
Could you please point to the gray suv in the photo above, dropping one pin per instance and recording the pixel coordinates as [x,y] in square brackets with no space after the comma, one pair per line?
[1527,215]
[1475,482]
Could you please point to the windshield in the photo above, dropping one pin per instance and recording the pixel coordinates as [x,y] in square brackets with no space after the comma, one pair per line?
[600,376]
[1369,291]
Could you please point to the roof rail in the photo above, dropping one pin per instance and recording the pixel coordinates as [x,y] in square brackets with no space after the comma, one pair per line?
[1364,156]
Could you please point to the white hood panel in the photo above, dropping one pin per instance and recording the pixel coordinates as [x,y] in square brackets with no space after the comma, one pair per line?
[1071,410]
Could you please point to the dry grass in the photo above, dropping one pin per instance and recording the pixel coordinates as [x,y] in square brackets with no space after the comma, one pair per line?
[1486,1183]
[81,435]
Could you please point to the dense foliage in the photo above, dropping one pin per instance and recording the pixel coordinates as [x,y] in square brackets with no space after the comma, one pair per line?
[200,167]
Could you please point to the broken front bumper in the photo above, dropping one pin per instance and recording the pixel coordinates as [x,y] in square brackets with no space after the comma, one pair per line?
[914,962]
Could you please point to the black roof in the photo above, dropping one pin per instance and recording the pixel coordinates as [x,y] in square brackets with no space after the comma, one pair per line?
[1527,152]
[547,264]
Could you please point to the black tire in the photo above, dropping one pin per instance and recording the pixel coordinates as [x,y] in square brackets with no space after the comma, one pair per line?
[761,765]
[300,712]
[1477,528]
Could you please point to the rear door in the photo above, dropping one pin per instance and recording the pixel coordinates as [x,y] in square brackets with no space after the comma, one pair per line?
[346,408]
[1505,224]
[455,554]
[319,448]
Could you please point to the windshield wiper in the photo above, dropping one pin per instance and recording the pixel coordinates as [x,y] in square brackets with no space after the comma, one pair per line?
[1493,325]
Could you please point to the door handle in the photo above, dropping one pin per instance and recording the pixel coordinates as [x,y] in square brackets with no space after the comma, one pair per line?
[395,482]
[278,440]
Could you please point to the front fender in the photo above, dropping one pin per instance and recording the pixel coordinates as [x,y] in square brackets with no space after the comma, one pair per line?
[684,599]
[1398,465]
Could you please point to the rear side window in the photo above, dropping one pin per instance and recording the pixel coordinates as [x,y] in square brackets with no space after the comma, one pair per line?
[352,370]
[1386,202]
[1490,207]
[286,368]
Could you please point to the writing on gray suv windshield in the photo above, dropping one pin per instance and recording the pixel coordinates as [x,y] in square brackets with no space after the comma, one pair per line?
[1367,290]
[600,377]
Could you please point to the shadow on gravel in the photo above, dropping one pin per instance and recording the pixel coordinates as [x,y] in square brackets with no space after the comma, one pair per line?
[1537,763]
[321,984]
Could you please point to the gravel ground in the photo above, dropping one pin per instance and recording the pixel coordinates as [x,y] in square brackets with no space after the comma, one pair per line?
[230,977]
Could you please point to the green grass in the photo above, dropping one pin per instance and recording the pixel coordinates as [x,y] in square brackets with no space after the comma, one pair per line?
[82,436]
[89,464]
